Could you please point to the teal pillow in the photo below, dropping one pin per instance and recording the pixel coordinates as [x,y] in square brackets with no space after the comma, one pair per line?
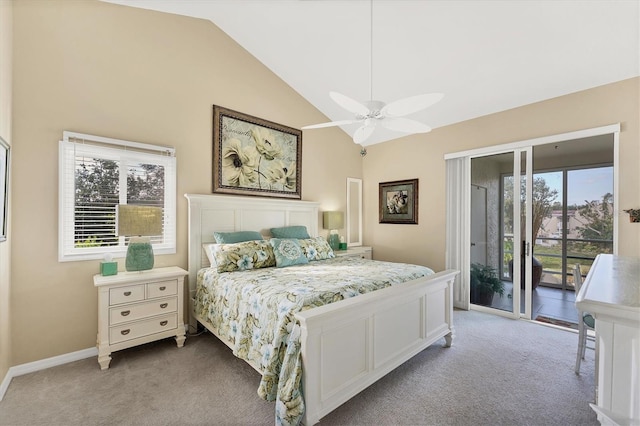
[288,252]
[298,232]
[236,237]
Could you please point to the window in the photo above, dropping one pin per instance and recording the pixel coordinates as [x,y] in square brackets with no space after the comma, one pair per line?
[95,175]
[572,220]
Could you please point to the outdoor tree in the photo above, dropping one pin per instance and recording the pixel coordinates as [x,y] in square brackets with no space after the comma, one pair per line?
[544,199]
[597,223]
[97,192]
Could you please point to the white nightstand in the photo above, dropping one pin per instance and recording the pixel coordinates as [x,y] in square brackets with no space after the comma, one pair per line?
[139,307]
[362,252]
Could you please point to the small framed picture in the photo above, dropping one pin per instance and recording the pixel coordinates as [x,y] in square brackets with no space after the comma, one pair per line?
[399,202]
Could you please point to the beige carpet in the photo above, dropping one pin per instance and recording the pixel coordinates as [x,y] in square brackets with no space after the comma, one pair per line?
[499,372]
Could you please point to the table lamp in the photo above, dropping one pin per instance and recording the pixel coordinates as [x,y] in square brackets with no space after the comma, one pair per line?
[333,221]
[138,223]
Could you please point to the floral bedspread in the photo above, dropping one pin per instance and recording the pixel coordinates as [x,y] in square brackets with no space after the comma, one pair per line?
[254,310]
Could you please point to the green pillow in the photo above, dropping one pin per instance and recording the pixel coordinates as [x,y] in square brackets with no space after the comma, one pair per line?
[288,252]
[241,256]
[236,237]
[298,232]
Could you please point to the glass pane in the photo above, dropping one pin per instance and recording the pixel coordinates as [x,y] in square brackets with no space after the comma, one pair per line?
[145,185]
[547,228]
[590,216]
[96,195]
[491,236]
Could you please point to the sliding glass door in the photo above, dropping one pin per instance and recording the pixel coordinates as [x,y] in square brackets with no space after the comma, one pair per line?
[500,223]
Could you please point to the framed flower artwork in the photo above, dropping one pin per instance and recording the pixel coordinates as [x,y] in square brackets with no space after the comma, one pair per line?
[398,201]
[253,156]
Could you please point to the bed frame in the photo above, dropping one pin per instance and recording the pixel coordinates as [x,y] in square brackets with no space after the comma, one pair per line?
[346,345]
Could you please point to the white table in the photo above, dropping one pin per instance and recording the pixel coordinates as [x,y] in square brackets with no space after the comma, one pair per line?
[611,293]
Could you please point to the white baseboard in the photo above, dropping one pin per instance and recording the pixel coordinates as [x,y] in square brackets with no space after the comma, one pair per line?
[43,364]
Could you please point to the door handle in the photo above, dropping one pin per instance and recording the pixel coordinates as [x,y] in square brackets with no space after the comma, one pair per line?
[473,244]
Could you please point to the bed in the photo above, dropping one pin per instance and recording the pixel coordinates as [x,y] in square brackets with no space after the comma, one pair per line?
[379,330]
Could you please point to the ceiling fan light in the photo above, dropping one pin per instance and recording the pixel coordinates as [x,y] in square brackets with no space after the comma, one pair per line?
[362,134]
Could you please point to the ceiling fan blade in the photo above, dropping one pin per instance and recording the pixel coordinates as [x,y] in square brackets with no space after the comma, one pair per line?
[330,124]
[363,133]
[406,125]
[349,104]
[410,105]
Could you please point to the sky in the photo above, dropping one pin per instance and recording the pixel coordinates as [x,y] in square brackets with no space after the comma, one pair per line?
[583,184]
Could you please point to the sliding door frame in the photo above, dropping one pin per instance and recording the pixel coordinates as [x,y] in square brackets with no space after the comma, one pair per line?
[458,234]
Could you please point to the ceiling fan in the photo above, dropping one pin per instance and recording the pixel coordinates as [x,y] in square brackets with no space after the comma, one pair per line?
[371,113]
[390,116]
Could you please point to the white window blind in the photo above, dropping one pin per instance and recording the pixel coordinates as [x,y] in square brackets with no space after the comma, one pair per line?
[95,175]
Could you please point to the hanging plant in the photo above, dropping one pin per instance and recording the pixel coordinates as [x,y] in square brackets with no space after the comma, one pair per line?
[634,215]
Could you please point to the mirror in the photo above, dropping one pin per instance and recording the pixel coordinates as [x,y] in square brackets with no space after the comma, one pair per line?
[354,212]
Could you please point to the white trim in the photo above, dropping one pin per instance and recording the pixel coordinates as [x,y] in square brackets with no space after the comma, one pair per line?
[66,135]
[67,152]
[616,191]
[496,149]
[358,182]
[43,364]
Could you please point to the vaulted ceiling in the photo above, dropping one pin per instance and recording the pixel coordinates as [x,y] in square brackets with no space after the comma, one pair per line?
[485,56]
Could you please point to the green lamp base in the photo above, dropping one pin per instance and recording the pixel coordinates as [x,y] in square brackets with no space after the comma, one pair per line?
[139,254]
[334,241]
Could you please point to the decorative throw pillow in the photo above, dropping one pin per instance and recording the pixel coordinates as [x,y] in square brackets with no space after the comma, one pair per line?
[209,250]
[236,237]
[317,248]
[288,252]
[299,232]
[243,256]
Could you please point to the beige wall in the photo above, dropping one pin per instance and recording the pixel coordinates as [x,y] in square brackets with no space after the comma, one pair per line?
[422,157]
[5,132]
[133,74]
[138,75]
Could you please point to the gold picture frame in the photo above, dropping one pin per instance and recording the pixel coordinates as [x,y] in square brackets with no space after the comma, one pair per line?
[398,201]
[253,156]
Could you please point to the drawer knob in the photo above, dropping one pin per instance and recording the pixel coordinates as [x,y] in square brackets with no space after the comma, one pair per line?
[163,323]
[125,313]
[125,332]
[163,305]
[163,288]
[127,293]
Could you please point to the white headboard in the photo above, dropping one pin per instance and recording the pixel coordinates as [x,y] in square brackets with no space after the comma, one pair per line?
[224,213]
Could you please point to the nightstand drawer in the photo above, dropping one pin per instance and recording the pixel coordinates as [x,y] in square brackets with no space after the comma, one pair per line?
[132,293]
[363,252]
[142,328]
[142,310]
[162,288]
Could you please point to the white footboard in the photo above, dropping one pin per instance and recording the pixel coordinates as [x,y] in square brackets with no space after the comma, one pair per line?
[348,345]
